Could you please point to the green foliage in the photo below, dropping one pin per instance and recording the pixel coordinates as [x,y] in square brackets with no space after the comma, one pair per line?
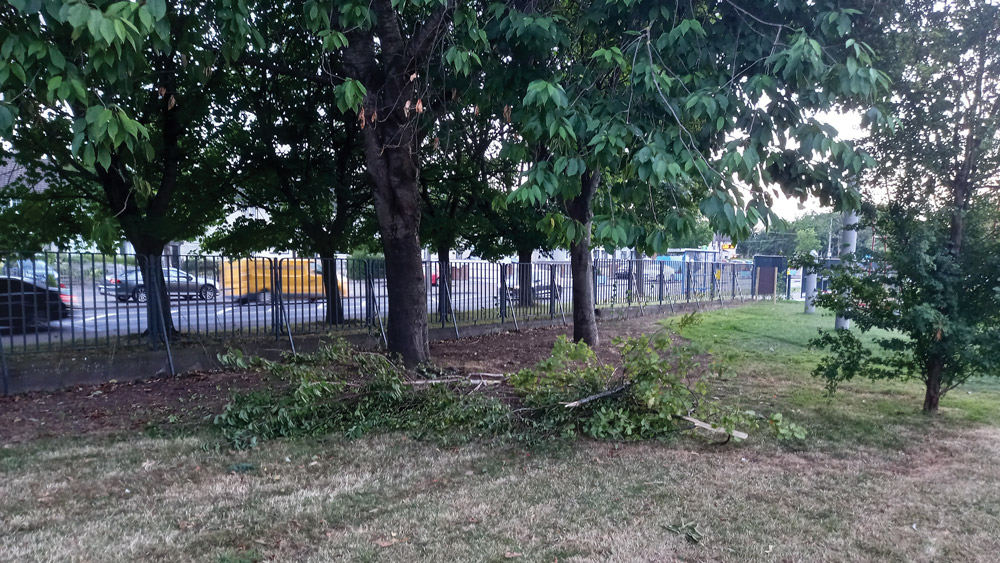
[688,320]
[656,111]
[847,359]
[571,393]
[106,100]
[936,307]
[337,389]
[806,241]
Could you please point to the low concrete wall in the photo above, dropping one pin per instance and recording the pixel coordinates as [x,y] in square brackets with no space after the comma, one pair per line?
[71,368]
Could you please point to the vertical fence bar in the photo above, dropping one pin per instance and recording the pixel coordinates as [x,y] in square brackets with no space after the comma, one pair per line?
[552,292]
[4,370]
[369,295]
[502,298]
[687,282]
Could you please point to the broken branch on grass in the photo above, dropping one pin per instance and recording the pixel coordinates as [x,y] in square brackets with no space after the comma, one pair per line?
[457,379]
[717,430]
[601,395]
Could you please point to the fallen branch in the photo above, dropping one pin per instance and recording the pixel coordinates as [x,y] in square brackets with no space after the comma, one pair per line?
[435,381]
[459,380]
[601,395]
[489,375]
[710,428]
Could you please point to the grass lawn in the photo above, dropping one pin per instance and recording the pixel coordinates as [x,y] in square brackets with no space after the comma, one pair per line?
[875,481]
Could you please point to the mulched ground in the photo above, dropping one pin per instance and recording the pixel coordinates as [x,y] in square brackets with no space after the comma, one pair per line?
[155,405]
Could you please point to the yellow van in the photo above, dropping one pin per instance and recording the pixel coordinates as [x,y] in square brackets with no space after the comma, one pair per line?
[251,279]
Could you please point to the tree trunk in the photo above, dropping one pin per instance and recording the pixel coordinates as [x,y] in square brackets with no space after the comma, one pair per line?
[159,321]
[581,262]
[935,373]
[444,283]
[334,299]
[525,281]
[394,175]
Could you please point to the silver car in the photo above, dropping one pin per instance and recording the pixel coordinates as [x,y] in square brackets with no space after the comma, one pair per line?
[130,284]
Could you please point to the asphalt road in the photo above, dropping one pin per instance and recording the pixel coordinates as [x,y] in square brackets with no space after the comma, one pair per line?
[99,319]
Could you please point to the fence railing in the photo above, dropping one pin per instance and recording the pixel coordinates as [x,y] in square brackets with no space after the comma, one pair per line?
[58,300]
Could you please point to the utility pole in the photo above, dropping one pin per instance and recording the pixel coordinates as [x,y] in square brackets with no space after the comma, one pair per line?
[848,245]
[809,286]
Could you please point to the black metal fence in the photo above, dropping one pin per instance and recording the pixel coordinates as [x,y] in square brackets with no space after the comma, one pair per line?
[56,301]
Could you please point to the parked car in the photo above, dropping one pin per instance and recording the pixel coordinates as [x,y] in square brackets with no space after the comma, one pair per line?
[130,284]
[27,305]
[36,270]
[541,290]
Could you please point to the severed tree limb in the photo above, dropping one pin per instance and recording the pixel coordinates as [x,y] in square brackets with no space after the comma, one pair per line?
[692,420]
[601,395]
[460,380]
[710,428]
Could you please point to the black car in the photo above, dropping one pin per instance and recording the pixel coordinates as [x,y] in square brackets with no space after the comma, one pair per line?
[26,305]
[541,290]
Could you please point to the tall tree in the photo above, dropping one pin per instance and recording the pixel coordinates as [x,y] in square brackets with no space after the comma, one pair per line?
[302,162]
[112,99]
[382,56]
[688,100]
[936,169]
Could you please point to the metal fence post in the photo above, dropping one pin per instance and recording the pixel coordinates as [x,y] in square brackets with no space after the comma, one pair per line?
[503,292]
[6,371]
[276,309]
[732,268]
[630,286]
[552,292]
[659,292]
[687,282]
[711,294]
[369,295]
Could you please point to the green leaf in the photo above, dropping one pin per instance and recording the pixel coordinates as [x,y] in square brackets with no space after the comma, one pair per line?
[6,119]
[157,8]
[108,31]
[57,58]
[78,15]
[104,158]
[17,70]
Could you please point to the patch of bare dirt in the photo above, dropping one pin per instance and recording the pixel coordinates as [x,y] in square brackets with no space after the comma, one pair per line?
[508,352]
[193,398]
[112,408]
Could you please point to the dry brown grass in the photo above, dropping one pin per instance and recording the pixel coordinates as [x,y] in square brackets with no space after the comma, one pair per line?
[389,498]
[876,481]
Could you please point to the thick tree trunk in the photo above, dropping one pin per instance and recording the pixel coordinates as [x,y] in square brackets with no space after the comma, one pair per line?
[159,321]
[393,170]
[935,374]
[581,262]
[387,63]
[444,283]
[525,281]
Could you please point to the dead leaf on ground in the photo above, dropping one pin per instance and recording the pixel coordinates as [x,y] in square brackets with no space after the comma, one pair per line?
[511,555]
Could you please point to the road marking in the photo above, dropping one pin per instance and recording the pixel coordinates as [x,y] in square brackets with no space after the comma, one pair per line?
[224,311]
[98,317]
